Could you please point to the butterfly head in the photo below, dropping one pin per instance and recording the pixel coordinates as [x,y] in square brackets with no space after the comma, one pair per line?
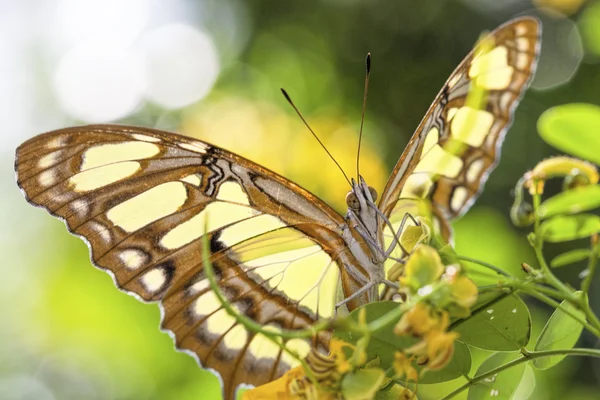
[362,208]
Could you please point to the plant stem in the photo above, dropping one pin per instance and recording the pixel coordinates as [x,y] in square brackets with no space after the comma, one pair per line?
[593,261]
[542,297]
[484,264]
[532,355]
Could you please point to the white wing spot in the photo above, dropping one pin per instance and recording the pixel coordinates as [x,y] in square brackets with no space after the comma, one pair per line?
[133,259]
[47,178]
[522,44]
[57,141]
[198,287]
[80,207]
[49,159]
[474,170]
[521,30]
[459,197]
[154,279]
[522,61]
[102,231]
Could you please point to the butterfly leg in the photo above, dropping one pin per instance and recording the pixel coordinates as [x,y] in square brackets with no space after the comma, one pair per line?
[356,294]
[398,232]
[375,246]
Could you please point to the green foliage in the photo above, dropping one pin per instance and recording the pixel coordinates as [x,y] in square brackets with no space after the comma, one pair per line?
[362,384]
[573,128]
[498,386]
[563,228]
[570,257]
[503,326]
[571,201]
[561,332]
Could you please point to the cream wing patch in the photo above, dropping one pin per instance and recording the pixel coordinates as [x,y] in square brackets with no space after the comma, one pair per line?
[491,70]
[99,177]
[439,162]
[307,276]
[149,206]
[471,126]
[99,156]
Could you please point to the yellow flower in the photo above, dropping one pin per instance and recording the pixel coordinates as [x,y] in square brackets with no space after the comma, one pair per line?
[278,389]
[417,321]
[336,347]
[437,347]
[464,291]
[423,267]
[403,367]
[412,235]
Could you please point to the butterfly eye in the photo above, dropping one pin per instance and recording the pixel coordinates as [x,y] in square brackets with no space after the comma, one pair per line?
[352,201]
[373,193]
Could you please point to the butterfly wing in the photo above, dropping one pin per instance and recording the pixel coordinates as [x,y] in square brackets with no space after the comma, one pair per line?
[451,181]
[141,199]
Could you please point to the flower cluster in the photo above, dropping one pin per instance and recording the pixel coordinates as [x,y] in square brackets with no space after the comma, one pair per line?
[436,293]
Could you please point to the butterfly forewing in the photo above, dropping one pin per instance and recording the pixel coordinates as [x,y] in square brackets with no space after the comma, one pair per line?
[430,167]
[142,200]
[145,200]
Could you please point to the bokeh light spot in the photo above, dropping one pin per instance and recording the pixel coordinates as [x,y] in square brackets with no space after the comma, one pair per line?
[181,65]
[97,83]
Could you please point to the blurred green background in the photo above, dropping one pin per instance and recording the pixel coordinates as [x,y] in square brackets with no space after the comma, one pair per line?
[213,69]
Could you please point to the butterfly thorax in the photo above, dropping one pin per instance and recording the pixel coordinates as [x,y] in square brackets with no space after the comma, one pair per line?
[362,232]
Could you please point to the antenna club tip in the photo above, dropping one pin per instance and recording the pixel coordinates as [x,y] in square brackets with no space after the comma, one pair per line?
[286,95]
[368,62]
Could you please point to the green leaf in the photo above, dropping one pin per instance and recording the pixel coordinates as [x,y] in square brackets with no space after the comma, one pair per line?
[384,343]
[500,386]
[525,388]
[362,384]
[502,326]
[570,257]
[561,332]
[574,129]
[569,227]
[571,201]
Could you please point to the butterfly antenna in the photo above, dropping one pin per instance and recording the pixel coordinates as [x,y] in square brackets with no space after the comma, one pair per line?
[364,107]
[314,134]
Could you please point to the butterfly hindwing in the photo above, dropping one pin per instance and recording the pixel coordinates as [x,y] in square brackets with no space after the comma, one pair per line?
[429,167]
[142,198]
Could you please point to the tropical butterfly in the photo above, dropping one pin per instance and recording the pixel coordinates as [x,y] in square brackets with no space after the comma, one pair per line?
[140,199]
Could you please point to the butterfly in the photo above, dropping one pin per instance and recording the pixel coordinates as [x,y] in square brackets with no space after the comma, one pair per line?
[146,200]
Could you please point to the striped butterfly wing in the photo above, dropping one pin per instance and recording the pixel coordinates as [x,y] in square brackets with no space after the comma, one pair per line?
[430,168]
[140,198]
